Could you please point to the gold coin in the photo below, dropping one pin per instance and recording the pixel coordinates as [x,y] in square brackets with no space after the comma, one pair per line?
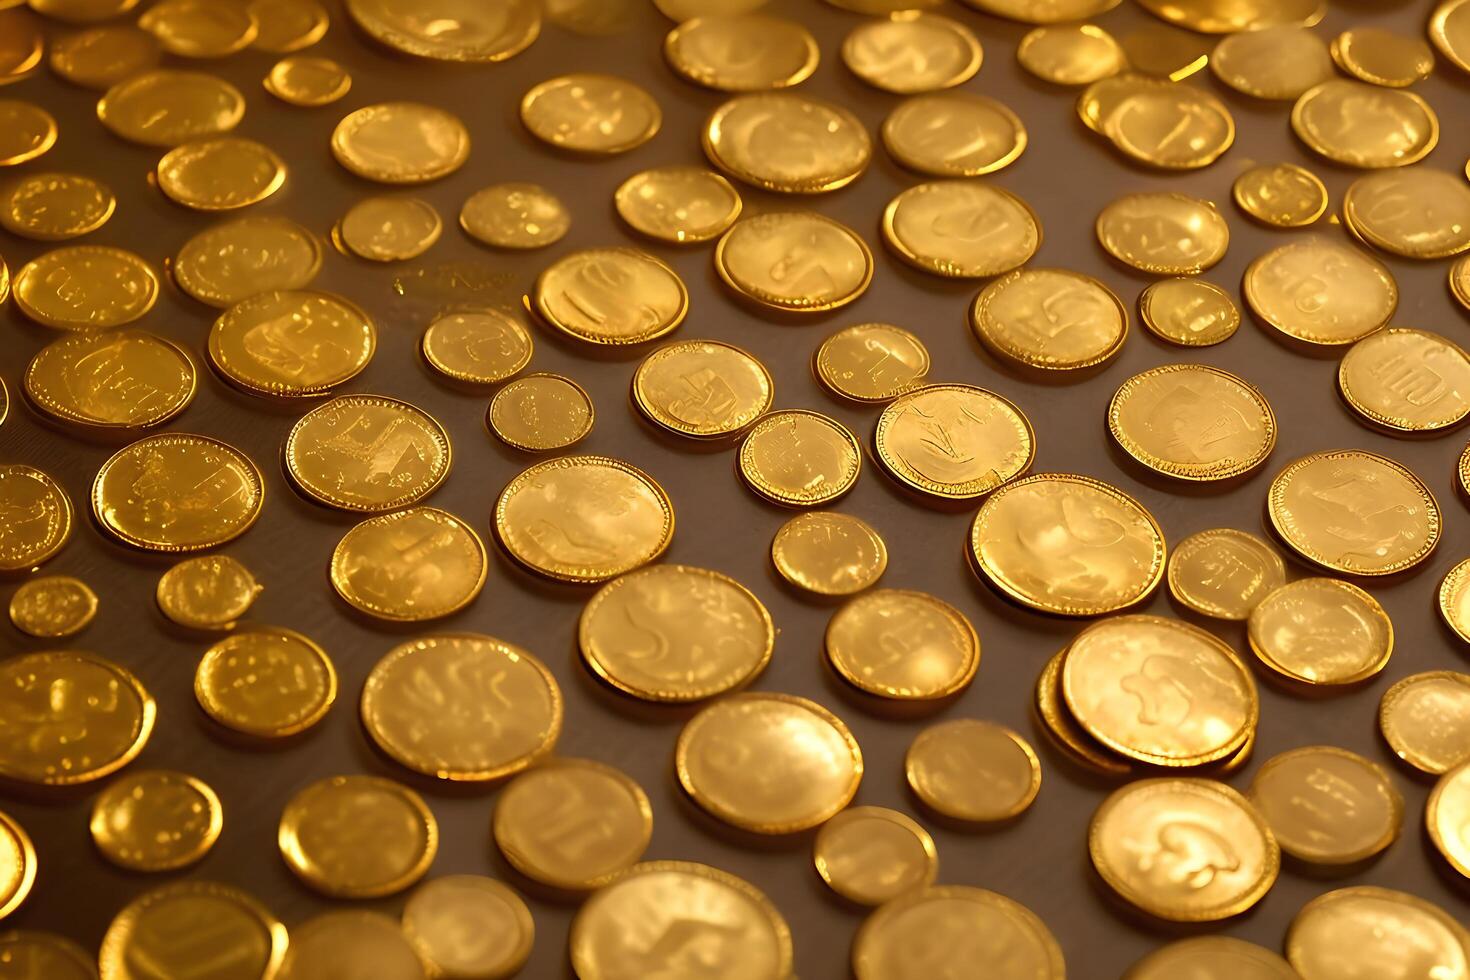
[583,518]
[675,633]
[18,861]
[591,113]
[1050,319]
[100,57]
[953,134]
[933,931]
[702,389]
[1354,512]
[1416,212]
[1447,814]
[1189,312]
[462,707]
[1213,17]
[1167,52]
[156,820]
[1407,380]
[1321,631]
[1454,599]
[1365,932]
[953,442]
[103,709]
[1163,233]
[267,682]
[1382,57]
[167,107]
[573,824]
[871,855]
[209,592]
[904,645]
[871,362]
[351,944]
[742,52]
[1321,292]
[1071,54]
[678,204]
[23,44]
[1361,125]
[409,566]
[973,771]
[828,553]
[301,80]
[200,28]
[449,30]
[114,381]
[1328,806]
[32,953]
[1066,734]
[54,207]
[358,836]
[736,929]
[595,18]
[1449,30]
[390,229]
[610,296]
[35,517]
[1170,126]
[287,25]
[768,763]
[401,143]
[54,606]
[238,258]
[483,347]
[176,492]
[1211,958]
[797,261]
[961,229]
[519,216]
[540,413]
[1043,11]
[83,11]
[1192,422]
[780,141]
[1425,718]
[367,453]
[467,926]
[1277,63]
[800,458]
[86,287]
[192,927]
[26,132]
[912,51]
[1224,573]
[1101,98]
[1281,195]
[4,288]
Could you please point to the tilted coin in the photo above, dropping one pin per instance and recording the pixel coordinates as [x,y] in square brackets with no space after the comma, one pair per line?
[35,517]
[401,143]
[1454,599]
[53,606]
[199,28]
[1050,319]
[1071,54]
[390,228]
[156,820]
[1327,805]
[800,458]
[208,592]
[100,57]
[1224,573]
[1211,958]
[287,25]
[1074,741]
[1278,63]
[409,566]
[1407,380]
[1163,233]
[1382,57]
[1211,17]
[51,207]
[358,836]
[367,453]
[1282,195]
[447,30]
[167,107]
[1365,933]
[266,682]
[748,52]
[1321,292]
[540,413]
[871,362]
[238,258]
[1170,128]
[26,132]
[1425,718]
[483,347]
[1047,12]
[1361,125]
[354,944]
[1416,212]
[1101,98]
[973,771]
[301,80]
[113,381]
[1449,30]
[610,296]
[961,229]
[45,954]
[468,925]
[902,644]
[828,553]
[912,52]
[1447,814]
[702,389]
[1321,631]
[953,134]
[953,442]
[1167,52]
[591,113]
[1189,312]
[871,855]
[780,141]
[24,44]
[796,261]
[164,926]
[517,215]
[86,287]
[18,861]
[678,204]
[1193,422]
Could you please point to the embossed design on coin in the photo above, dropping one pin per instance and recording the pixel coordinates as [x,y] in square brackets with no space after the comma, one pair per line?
[678,204]
[1416,212]
[483,347]
[35,517]
[912,51]
[183,927]
[367,453]
[798,261]
[467,925]
[111,381]
[1188,312]
[1327,805]
[828,553]
[156,820]
[540,413]
[516,215]
[780,141]
[1321,292]
[209,592]
[611,296]
[358,836]
[1281,195]
[409,566]
[266,682]
[591,113]
[389,228]
[871,362]
[401,143]
[86,287]
[1361,125]
[1425,718]
[1050,319]
[953,134]
[236,259]
[799,458]
[871,855]
[52,207]
[1224,573]
[1321,631]
[166,107]
[53,606]
[291,344]
[737,52]
[308,82]
[702,389]
[1193,422]
[953,442]
[961,229]
[220,174]
[1165,234]
[1407,380]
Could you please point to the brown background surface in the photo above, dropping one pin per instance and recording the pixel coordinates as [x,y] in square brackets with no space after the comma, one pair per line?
[1067,174]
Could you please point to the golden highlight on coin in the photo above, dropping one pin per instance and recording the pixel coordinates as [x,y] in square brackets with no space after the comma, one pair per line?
[540,413]
[1224,573]
[409,566]
[147,930]
[156,820]
[794,261]
[367,453]
[1321,631]
[829,553]
[702,389]
[610,296]
[498,939]
[358,836]
[1050,320]
[1328,806]
[798,458]
[53,607]
[780,141]
[871,855]
[483,347]
[266,682]
[591,113]
[208,592]
[953,442]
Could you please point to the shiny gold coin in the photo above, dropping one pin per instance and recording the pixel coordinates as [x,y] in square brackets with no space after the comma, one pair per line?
[32,953]
[737,930]
[1101,98]
[1071,54]
[912,51]
[22,44]
[1416,212]
[35,517]
[83,11]
[26,131]
[678,204]
[209,592]
[448,30]
[904,645]
[1382,57]
[1321,631]
[610,296]
[1043,11]
[768,763]
[1066,734]
[54,606]
[1321,292]
[1425,718]
[156,820]
[540,413]
[1163,233]
[1278,63]
[800,458]
[1192,422]
[287,25]
[484,347]
[192,927]
[871,362]
[828,553]
[953,134]
[291,344]
[591,113]
[468,926]
[462,707]
[1189,312]
[961,229]
[1224,573]
[871,855]
[100,57]
[1165,52]
[308,82]
[390,229]
[1170,127]
[166,107]
[583,518]
[747,52]
[779,141]
[702,389]
[595,18]
[1364,933]
[409,566]
[572,824]
[797,261]
[358,836]
[1282,195]
[103,708]
[200,28]
[1050,319]
[1354,512]
[1213,17]
[1449,30]
[401,143]
[86,287]
[267,682]
[519,216]
[1407,380]
[1328,806]
[942,929]
[973,771]
[53,207]
[114,381]
[367,453]
[1361,125]
[953,442]
[351,944]
[1447,815]
[236,259]
[1211,958]
[18,862]
[675,633]
[1454,599]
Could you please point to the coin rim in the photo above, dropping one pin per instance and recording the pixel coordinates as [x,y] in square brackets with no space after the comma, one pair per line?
[969,489]
[1323,856]
[957,682]
[1380,419]
[883,814]
[749,470]
[205,698]
[942,807]
[102,836]
[115,943]
[341,586]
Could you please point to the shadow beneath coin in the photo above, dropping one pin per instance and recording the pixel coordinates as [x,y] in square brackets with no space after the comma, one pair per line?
[1154,480]
[628,706]
[251,743]
[716,829]
[1060,629]
[1454,879]
[892,709]
[1142,921]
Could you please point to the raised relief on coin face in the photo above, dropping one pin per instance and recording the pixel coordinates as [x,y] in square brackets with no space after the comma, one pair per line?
[871,855]
[266,682]
[1211,958]
[468,925]
[973,771]
[797,261]
[44,954]
[1168,126]
[1224,573]
[961,229]
[236,259]
[401,143]
[678,204]
[784,142]
[800,459]
[1281,195]
[409,566]
[1193,422]
[367,453]
[100,57]
[1321,292]
[702,389]
[53,606]
[191,926]
[591,113]
[308,82]
[1365,933]
[462,707]
[18,859]
[515,215]
[1189,312]
[354,943]
[1407,380]
[1321,631]
[28,132]
[901,644]
[199,29]
[747,52]
[1382,57]
[675,633]
[1454,599]
[110,381]
[953,134]
[167,107]
[220,174]
[209,592]
[610,296]
[35,517]
[1425,718]
[1361,125]
[156,820]
[1165,234]
[871,362]
[1071,54]
[1327,805]
[540,413]
[358,836]
[1447,816]
[828,553]
[1416,212]
[1050,319]
[954,442]
[1278,63]
[389,228]
[450,30]
[482,347]
[86,287]
[52,207]
[912,51]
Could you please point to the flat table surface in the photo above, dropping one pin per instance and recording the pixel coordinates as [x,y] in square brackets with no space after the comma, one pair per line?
[1067,174]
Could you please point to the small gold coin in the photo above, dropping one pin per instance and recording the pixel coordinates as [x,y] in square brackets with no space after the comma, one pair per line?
[953,134]
[1365,932]
[1425,718]
[1189,312]
[780,141]
[1212,17]
[220,174]
[26,131]
[390,229]
[1277,63]
[519,216]
[462,707]
[747,52]
[176,492]
[737,930]
[1449,30]
[1071,54]
[800,458]
[702,389]
[102,707]
[1211,958]
[238,258]
[1354,512]
[540,413]
[160,932]
[1328,806]
[156,820]
[53,207]
[1224,573]
[1050,319]
[591,113]
[1066,734]
[200,28]
[302,80]
[367,453]
[467,926]
[32,953]
[1454,599]
[53,607]
[768,763]
[572,824]
[678,204]
[871,362]
[1321,292]
[961,229]
[287,25]
[1192,422]
[596,18]
[934,929]
[484,347]
[1163,233]
[209,592]
[409,566]
[1361,125]
[114,381]
[1169,126]
[18,861]
[1281,195]
[351,944]
[675,633]
[973,771]
[1416,212]
[449,30]
[953,442]
[797,261]
[1382,57]
[912,51]
[100,57]
[358,836]
[1321,631]
[267,682]
[86,287]
[1447,814]
[167,107]
[401,143]
[35,517]
[1407,380]
[610,296]
[828,553]
[1045,11]
[904,645]
[584,518]
[871,855]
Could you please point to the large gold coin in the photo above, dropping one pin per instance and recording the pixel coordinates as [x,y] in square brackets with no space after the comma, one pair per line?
[1193,422]
[52,207]
[1163,233]
[86,287]
[678,204]
[591,113]
[236,259]
[1224,573]
[540,413]
[675,633]
[1328,806]
[358,836]
[367,453]
[1425,718]
[797,261]
[912,51]
[26,132]
[100,57]
[190,928]
[871,855]
[483,347]
[1189,312]
[1382,57]
[1447,815]
[901,644]
[220,174]
[1367,933]
[1449,29]
[961,229]
[973,771]
[953,442]
[287,25]
[1407,380]
[1454,599]
[1321,292]
[515,215]
[871,362]
[35,517]
[208,592]
[1071,54]
[1211,958]
[390,228]
[784,142]
[266,682]
[1278,63]
[1281,195]
[742,52]
[1361,125]
[462,707]
[1213,17]
[800,458]
[53,606]
[110,381]
[828,553]
[768,763]
[1050,319]
[1416,212]
[1169,126]
[156,820]
[450,30]
[166,107]
[409,566]
[200,28]
[42,954]
[1321,631]
[18,864]
[702,389]
[291,344]
[467,926]
[953,134]
[401,143]
[351,944]
[610,296]
[308,82]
